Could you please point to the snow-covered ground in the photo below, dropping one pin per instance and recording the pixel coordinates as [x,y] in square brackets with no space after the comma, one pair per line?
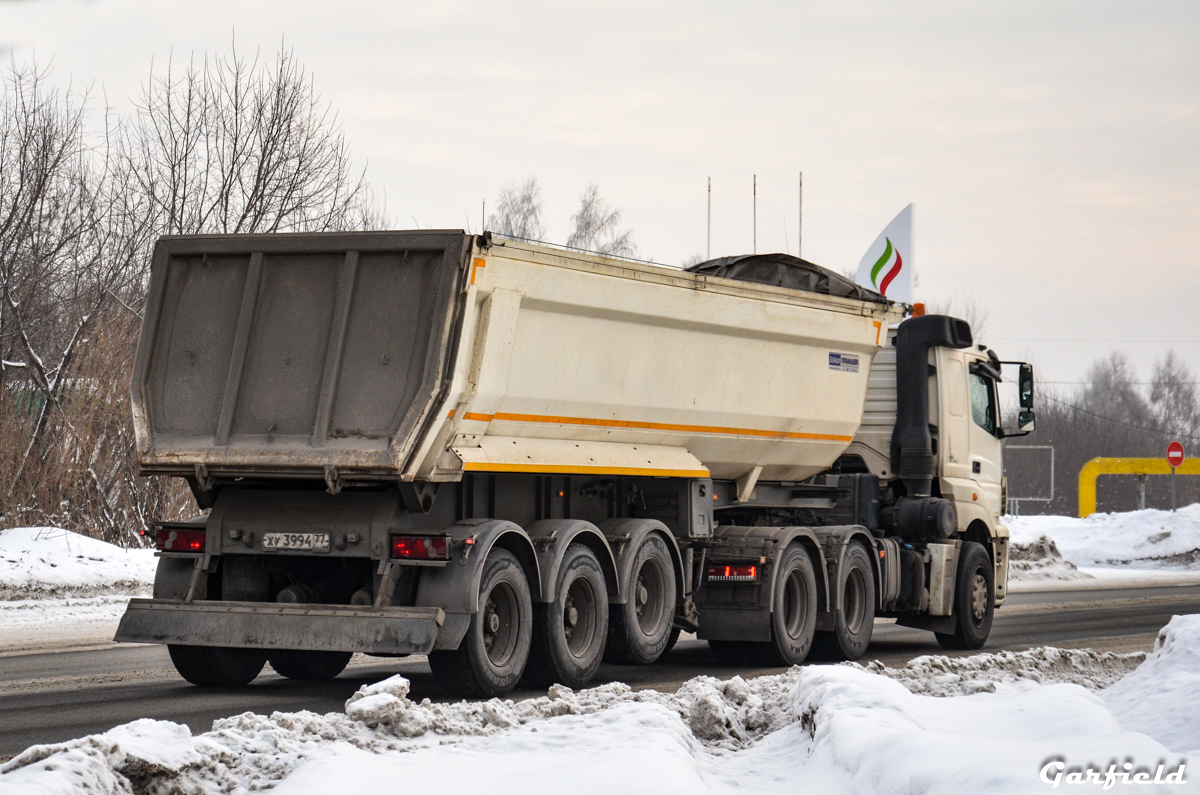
[1157,545]
[61,588]
[988,723]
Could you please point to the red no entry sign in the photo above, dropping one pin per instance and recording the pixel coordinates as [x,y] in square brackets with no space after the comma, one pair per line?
[1175,454]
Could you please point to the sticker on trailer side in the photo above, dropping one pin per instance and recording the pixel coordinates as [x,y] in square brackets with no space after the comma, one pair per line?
[843,362]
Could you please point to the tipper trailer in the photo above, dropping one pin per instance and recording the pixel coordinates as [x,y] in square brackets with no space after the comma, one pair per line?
[521,460]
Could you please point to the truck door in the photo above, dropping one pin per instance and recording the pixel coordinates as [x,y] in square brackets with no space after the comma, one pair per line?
[968,447]
[983,439]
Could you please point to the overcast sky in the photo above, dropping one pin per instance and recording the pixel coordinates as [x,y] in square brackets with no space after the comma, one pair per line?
[1052,148]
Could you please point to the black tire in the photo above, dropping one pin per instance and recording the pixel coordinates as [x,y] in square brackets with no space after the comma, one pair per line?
[309,665]
[794,619]
[213,666]
[855,618]
[672,639]
[638,630]
[491,658]
[974,600]
[569,633]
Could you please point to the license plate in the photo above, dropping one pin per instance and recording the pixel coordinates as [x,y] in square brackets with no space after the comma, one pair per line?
[298,542]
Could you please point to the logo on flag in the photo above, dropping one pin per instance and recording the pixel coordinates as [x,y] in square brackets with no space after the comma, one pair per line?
[887,267]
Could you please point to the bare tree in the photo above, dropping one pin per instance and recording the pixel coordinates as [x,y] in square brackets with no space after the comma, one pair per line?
[228,147]
[519,211]
[595,227]
[233,145]
[1173,396]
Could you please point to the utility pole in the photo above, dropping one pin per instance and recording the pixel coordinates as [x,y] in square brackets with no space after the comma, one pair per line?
[708,251]
[800,220]
[755,248]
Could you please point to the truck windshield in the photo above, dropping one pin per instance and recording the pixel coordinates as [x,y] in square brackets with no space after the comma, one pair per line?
[983,404]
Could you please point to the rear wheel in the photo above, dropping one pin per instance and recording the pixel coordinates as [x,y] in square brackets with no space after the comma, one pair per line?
[491,657]
[217,666]
[794,619]
[855,619]
[569,633]
[672,639]
[309,665]
[638,630]
[974,600]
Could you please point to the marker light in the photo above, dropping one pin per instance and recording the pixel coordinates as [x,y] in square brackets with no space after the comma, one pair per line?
[421,547]
[174,540]
[733,573]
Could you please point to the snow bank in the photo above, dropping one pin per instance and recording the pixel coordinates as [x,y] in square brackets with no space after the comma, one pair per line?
[1149,539]
[828,729]
[1162,697]
[1009,671]
[48,562]
[1040,560]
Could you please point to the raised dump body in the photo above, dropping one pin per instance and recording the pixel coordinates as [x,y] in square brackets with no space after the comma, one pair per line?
[421,355]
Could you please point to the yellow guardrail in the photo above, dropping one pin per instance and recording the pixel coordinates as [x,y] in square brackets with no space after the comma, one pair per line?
[1124,466]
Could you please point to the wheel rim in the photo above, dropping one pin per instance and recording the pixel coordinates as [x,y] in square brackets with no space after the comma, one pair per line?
[579,617]
[649,597]
[500,620]
[795,605]
[979,597]
[854,602]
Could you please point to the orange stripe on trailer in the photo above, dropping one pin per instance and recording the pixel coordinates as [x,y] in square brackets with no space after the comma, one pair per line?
[654,426]
[480,262]
[585,470]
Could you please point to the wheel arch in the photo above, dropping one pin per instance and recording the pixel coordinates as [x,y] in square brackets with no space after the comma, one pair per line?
[837,540]
[625,535]
[455,586]
[551,539]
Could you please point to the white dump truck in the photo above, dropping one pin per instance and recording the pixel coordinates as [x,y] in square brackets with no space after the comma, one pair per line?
[521,460]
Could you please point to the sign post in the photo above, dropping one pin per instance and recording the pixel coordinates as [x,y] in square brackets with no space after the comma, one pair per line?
[1175,459]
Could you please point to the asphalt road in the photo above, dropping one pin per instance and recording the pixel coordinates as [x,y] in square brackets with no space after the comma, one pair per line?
[58,695]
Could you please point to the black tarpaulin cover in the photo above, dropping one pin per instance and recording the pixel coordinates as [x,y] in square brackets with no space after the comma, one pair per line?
[784,270]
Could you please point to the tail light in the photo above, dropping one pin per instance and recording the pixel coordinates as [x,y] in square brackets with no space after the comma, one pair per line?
[170,539]
[421,547]
[733,573]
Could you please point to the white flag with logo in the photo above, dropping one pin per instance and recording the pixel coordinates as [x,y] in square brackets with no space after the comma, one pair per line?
[887,267]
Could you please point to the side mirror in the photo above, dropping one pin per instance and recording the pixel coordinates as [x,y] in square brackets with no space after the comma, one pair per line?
[1025,421]
[1025,388]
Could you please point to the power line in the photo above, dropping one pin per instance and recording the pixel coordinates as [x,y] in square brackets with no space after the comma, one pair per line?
[1119,422]
[1106,341]
[1135,383]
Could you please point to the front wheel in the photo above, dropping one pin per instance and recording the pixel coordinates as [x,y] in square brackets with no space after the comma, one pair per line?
[491,657]
[974,600]
[855,618]
[215,666]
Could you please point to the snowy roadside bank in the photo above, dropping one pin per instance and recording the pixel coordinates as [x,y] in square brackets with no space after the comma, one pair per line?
[60,589]
[52,563]
[986,723]
[1144,546]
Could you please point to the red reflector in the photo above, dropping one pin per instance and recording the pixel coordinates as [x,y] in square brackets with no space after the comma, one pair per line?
[733,573]
[421,547]
[173,540]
